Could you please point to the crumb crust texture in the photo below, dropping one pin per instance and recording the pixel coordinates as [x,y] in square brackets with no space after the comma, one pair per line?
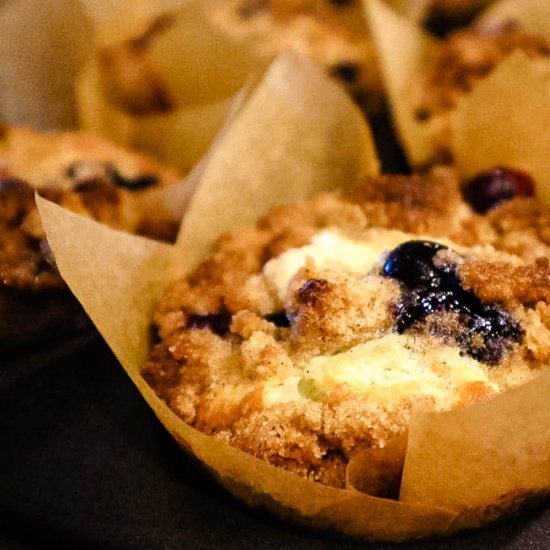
[285,344]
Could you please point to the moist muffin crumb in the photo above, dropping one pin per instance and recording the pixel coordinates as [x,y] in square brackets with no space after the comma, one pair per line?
[316,333]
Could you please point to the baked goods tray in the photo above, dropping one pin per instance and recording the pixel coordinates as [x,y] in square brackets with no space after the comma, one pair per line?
[85,464]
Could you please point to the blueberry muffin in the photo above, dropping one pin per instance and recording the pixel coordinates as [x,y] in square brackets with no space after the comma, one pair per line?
[313,335]
[89,176]
[459,62]
[329,32]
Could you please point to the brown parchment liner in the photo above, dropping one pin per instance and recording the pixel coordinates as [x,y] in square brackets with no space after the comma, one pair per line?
[410,43]
[179,138]
[293,138]
[498,440]
[43,47]
[505,122]
[190,69]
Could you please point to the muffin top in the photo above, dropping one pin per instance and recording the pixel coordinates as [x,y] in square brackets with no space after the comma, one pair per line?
[86,174]
[316,333]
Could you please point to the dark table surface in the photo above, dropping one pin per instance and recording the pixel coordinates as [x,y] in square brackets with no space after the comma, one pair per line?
[85,464]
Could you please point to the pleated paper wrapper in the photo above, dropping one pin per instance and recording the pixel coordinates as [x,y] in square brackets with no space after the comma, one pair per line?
[298,134]
[502,122]
[161,79]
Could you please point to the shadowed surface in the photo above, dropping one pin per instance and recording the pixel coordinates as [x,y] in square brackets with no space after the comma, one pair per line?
[84,463]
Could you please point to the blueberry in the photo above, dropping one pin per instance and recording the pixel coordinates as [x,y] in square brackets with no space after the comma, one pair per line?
[487,331]
[487,189]
[412,263]
[278,318]
[218,323]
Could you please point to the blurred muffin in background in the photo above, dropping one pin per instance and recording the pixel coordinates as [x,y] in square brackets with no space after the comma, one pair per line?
[85,174]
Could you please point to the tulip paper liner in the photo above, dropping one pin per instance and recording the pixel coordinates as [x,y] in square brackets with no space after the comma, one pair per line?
[298,134]
[508,128]
[187,60]
[462,468]
[409,52]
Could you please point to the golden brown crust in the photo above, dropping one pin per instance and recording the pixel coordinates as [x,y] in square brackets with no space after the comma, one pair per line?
[269,373]
[412,203]
[502,282]
[44,159]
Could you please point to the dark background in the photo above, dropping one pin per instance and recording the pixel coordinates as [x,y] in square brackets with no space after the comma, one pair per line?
[84,463]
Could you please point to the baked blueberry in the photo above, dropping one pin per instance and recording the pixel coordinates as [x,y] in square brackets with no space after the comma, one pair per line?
[487,331]
[487,189]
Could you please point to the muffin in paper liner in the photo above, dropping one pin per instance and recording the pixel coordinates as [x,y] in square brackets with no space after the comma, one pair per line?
[162,80]
[407,58]
[50,76]
[86,174]
[462,468]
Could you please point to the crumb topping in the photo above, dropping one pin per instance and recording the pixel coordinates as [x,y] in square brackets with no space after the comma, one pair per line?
[80,172]
[286,342]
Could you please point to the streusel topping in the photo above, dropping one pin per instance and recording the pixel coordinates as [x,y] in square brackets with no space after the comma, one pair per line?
[317,332]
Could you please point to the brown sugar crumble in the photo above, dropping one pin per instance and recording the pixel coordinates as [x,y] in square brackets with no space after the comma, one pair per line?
[311,365]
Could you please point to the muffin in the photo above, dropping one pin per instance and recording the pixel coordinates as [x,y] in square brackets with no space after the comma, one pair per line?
[85,174]
[459,62]
[138,80]
[435,86]
[331,33]
[311,338]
